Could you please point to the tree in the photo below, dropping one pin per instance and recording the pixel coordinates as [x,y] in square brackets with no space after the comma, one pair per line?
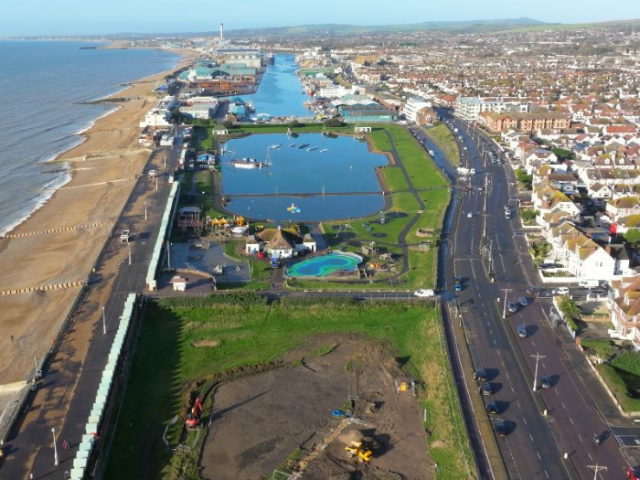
[562,154]
[632,236]
[228,124]
[294,123]
[334,122]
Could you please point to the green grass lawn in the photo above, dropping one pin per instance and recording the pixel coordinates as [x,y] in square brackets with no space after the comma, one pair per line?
[396,181]
[443,138]
[204,182]
[167,369]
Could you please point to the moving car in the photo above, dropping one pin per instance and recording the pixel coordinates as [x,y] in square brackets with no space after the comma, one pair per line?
[425,292]
[522,331]
[513,308]
[486,389]
[545,382]
[523,301]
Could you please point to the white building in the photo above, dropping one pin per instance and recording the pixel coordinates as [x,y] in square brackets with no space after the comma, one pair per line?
[470,108]
[160,115]
[333,91]
[413,106]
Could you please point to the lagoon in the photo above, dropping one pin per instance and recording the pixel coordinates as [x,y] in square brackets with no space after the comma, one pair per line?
[280,92]
[316,181]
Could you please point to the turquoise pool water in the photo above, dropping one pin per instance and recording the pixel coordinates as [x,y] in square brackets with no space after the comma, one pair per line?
[324,266]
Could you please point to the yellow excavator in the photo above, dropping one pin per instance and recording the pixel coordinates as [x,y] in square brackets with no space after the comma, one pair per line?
[360,450]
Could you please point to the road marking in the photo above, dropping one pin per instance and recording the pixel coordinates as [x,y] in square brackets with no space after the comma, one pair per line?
[591,457]
[539,457]
[543,366]
[580,437]
[531,437]
[563,405]
[571,420]
[507,375]
[491,331]
[512,389]
[546,474]
[557,392]
[524,420]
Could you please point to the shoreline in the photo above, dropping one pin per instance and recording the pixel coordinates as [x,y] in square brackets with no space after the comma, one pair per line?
[81,138]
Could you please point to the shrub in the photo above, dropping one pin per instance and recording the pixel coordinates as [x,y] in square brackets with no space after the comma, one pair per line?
[602,348]
[334,122]
[618,387]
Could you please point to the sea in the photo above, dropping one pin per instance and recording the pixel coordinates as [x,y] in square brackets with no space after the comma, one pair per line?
[41,85]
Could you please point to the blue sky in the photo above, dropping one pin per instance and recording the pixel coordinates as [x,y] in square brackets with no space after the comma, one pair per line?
[78,17]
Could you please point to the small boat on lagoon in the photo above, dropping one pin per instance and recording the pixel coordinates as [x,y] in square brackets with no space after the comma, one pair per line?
[246,163]
[304,145]
[274,146]
[324,150]
[312,149]
[292,145]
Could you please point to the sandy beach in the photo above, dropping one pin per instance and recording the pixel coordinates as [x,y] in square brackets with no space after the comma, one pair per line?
[60,242]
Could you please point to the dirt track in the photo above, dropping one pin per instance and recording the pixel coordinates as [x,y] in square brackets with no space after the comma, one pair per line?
[259,421]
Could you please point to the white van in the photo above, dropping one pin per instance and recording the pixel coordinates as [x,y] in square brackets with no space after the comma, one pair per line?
[589,283]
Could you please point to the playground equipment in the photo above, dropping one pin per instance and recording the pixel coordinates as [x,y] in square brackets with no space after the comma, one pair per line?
[360,450]
[193,417]
[341,414]
[404,386]
[293,209]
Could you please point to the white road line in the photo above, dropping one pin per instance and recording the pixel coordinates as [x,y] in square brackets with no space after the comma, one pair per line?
[524,420]
[512,389]
[580,437]
[531,437]
[590,457]
[571,420]
[543,366]
[546,474]
[557,392]
[563,405]
[507,375]
[539,457]
[491,331]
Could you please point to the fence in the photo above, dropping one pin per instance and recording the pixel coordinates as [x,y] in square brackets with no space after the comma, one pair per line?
[165,231]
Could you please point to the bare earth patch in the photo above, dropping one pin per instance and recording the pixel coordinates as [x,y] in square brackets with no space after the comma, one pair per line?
[261,420]
[206,342]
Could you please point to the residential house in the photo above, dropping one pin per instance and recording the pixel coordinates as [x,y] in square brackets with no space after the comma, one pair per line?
[622,207]
[624,308]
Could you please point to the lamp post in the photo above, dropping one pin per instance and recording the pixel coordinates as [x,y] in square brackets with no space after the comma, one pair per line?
[145,211]
[168,255]
[504,307]
[104,322]
[55,447]
[129,248]
[535,376]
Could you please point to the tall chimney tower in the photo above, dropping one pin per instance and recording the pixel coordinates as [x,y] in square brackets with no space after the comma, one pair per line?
[221,32]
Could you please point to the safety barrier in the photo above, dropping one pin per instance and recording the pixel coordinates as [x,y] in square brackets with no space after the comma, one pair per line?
[164,232]
[92,426]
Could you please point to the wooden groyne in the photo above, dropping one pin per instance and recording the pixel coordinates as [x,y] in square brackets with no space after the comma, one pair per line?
[51,230]
[43,288]
[109,100]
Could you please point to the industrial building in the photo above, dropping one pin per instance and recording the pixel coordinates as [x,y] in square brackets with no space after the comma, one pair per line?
[366,113]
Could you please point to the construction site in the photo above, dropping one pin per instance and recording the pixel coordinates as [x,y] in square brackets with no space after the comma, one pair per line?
[346,411]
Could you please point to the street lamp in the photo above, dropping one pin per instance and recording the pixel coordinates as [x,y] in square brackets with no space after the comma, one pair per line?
[55,447]
[104,322]
[145,211]
[129,248]
[535,376]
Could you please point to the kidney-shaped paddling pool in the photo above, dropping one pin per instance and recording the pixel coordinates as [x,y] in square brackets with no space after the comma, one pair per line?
[325,265]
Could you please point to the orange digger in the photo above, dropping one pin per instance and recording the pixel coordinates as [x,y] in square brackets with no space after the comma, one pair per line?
[193,417]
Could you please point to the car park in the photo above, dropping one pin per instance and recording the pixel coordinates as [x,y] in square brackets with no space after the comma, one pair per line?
[522,331]
[512,307]
[523,301]
[425,292]
[545,382]
[486,389]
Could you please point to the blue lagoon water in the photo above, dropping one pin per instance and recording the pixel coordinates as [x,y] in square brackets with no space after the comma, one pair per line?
[41,83]
[347,166]
[280,92]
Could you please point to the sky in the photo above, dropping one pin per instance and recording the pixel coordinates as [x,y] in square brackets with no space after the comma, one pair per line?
[93,17]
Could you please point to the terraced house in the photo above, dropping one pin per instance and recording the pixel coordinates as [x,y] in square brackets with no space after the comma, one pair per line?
[624,308]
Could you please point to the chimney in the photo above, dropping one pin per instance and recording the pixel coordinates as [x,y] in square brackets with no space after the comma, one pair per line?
[221,32]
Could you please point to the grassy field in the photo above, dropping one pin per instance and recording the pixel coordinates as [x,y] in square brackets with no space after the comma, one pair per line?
[167,368]
[443,137]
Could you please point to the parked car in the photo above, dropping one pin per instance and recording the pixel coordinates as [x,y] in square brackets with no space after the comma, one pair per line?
[457,285]
[513,308]
[501,429]
[425,292]
[492,408]
[522,331]
[523,301]
[561,291]
[545,382]
[480,375]
[486,389]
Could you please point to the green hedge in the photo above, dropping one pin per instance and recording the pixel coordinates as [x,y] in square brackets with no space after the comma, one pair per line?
[617,385]
[628,362]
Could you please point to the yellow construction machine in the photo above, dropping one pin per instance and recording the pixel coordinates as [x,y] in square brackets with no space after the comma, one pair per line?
[360,450]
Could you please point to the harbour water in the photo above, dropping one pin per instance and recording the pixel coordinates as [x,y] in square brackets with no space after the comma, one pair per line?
[280,92]
[319,173]
[41,83]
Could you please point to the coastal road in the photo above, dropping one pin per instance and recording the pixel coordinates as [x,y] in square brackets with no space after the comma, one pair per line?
[573,415]
[67,392]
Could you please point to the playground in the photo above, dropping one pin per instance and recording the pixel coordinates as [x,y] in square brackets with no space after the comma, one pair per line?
[282,420]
